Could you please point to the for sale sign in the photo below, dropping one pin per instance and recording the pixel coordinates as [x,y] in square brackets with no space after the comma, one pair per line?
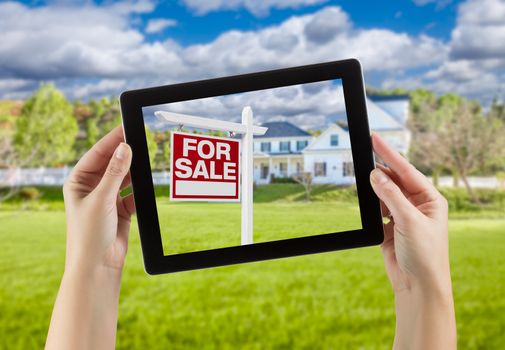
[204,168]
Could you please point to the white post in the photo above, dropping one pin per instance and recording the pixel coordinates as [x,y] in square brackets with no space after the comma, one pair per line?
[270,169]
[247,177]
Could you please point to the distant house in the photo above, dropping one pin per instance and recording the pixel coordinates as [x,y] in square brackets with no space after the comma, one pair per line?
[286,149]
[279,152]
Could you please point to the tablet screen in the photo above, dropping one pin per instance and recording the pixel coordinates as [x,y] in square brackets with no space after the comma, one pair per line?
[303,170]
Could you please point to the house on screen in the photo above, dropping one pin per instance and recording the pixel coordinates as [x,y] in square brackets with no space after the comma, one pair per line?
[286,149]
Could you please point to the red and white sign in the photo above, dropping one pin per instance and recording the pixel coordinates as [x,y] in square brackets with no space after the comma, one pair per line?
[204,168]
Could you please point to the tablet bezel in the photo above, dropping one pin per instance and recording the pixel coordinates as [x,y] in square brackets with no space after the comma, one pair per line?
[350,73]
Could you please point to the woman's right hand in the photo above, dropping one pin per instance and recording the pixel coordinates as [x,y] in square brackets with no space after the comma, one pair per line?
[416,253]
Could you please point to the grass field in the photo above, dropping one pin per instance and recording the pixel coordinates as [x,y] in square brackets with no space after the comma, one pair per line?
[335,300]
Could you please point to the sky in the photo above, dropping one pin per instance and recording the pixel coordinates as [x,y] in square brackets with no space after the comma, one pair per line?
[91,49]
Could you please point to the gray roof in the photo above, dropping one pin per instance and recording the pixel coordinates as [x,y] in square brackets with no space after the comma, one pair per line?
[282,129]
[380,98]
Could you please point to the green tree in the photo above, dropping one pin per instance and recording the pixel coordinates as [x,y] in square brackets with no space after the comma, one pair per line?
[46,129]
[497,110]
[92,132]
[423,106]
[457,137]
[152,146]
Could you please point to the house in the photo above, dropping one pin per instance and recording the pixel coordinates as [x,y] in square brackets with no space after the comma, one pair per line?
[286,150]
[279,152]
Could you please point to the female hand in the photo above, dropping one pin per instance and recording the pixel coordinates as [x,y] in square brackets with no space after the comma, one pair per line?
[98,221]
[416,253]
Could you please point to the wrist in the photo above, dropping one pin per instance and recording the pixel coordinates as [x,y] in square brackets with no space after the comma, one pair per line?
[425,317]
[104,279]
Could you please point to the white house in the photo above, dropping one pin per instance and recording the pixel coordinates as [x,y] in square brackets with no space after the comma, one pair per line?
[286,149]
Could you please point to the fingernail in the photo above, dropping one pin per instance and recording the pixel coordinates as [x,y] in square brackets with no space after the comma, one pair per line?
[121,151]
[379,177]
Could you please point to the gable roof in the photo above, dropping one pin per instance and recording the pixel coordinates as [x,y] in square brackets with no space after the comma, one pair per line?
[331,129]
[379,119]
[282,129]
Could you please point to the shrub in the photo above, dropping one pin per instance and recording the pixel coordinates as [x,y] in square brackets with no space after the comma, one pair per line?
[29,193]
[282,180]
[459,201]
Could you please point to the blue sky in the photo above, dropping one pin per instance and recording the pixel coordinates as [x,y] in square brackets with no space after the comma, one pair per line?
[91,49]
[402,15]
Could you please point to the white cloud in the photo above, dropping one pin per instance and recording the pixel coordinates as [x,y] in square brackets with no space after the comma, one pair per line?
[257,8]
[159,24]
[439,3]
[475,64]
[477,53]
[97,43]
[308,106]
[101,88]
[323,36]
[53,42]
[480,30]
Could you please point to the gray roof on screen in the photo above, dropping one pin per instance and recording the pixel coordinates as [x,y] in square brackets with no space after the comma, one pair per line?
[282,129]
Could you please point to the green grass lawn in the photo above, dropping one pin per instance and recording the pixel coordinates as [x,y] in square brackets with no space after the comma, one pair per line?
[189,227]
[334,300]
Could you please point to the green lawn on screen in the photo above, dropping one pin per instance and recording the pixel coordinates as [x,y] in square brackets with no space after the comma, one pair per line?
[334,300]
[189,227]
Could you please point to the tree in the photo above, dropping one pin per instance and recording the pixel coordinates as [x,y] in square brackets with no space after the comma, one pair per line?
[305,179]
[9,159]
[162,139]
[152,146]
[457,137]
[46,129]
[497,110]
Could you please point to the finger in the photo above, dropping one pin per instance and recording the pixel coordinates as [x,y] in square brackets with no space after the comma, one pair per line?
[394,199]
[389,173]
[409,177]
[126,208]
[393,177]
[384,210]
[98,156]
[116,171]
[126,181]
[128,203]
[388,232]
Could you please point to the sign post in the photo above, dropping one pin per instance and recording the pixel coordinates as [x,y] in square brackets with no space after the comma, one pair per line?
[199,164]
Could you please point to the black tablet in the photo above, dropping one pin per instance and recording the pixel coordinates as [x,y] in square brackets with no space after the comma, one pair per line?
[252,167]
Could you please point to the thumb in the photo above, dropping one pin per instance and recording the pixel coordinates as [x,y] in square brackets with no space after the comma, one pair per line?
[116,171]
[388,191]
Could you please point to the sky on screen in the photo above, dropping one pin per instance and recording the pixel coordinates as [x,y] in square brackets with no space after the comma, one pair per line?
[92,49]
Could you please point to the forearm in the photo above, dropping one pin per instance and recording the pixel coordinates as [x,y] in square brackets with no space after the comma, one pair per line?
[85,312]
[425,319]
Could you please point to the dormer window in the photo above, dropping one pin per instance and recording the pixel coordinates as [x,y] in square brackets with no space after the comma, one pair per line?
[334,140]
[284,146]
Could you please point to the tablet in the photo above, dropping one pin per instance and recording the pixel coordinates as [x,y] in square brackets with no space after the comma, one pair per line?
[252,167]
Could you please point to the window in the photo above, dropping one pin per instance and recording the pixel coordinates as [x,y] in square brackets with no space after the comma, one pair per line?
[334,140]
[320,169]
[299,167]
[283,169]
[284,146]
[348,169]
[265,147]
[300,145]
